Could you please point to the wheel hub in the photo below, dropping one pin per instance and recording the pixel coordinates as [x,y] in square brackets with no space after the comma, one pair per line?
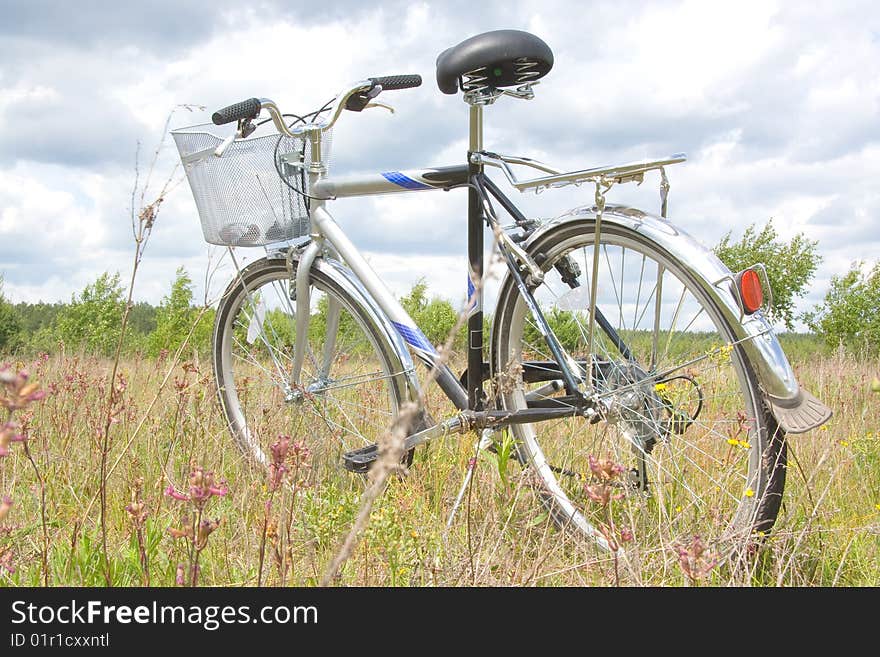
[634,404]
[315,387]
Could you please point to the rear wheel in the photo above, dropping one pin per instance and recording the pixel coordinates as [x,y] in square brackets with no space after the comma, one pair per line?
[689,453]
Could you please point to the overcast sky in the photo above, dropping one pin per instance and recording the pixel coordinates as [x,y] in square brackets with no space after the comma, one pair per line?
[776,103]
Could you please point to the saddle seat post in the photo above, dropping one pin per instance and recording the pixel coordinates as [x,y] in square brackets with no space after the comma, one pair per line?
[475,264]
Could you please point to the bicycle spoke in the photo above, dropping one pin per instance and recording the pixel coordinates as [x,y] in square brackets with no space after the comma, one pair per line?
[639,293]
[617,296]
[687,456]
[347,392]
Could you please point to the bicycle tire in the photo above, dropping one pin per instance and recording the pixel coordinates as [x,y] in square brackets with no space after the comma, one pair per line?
[331,414]
[674,506]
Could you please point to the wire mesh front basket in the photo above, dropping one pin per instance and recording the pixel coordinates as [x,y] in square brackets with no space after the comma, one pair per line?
[241,198]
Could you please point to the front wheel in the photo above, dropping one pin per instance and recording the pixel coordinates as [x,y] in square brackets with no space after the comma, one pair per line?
[347,394]
[682,454]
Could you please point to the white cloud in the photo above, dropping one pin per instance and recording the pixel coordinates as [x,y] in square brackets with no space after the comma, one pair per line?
[44,205]
[778,104]
[20,96]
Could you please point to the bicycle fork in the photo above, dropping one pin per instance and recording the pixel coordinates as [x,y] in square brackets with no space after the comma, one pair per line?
[302,292]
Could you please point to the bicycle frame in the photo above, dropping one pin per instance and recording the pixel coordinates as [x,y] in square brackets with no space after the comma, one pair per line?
[325,231]
[777,379]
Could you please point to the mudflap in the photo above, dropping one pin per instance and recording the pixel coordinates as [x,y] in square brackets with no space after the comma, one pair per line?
[800,414]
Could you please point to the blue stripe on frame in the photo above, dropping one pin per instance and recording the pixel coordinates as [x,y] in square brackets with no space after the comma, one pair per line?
[470,293]
[414,337]
[404,181]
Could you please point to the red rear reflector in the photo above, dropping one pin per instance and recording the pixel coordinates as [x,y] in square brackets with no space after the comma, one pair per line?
[750,291]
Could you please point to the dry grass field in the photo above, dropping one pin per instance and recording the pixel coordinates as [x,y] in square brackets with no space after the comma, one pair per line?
[183,507]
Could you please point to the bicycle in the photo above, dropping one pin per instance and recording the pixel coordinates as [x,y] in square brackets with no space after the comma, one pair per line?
[624,359]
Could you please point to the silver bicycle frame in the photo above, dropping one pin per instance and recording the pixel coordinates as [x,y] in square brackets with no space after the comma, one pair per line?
[785,397]
[329,238]
[325,231]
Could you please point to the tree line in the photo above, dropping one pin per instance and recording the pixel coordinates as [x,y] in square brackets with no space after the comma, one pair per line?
[91,321]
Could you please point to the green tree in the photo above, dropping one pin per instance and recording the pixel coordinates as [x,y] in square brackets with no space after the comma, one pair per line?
[142,318]
[416,299]
[437,320]
[849,314]
[10,326]
[37,323]
[93,319]
[569,327]
[176,315]
[35,317]
[790,265]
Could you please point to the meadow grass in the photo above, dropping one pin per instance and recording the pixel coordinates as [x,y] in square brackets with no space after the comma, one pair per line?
[250,531]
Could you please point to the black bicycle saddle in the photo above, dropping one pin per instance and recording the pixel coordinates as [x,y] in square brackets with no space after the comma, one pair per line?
[505,58]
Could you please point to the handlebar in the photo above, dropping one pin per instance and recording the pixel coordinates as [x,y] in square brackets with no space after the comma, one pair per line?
[360,100]
[246,109]
[355,97]
[395,82]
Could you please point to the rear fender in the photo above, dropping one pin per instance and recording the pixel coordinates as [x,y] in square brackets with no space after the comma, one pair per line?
[794,408]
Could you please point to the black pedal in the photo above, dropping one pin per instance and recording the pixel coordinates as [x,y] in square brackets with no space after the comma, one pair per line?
[360,460]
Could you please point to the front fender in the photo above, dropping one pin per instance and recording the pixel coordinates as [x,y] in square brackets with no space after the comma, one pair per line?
[794,408]
[393,346]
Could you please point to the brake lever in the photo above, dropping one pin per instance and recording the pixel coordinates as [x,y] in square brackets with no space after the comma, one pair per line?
[360,101]
[218,152]
[376,103]
[245,129]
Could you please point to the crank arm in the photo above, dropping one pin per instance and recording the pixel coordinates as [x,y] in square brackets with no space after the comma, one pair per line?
[359,460]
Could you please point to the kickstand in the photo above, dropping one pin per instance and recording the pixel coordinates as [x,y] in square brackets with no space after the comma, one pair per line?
[484,442]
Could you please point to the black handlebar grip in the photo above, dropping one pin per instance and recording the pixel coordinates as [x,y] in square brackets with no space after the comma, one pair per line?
[392,82]
[246,109]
